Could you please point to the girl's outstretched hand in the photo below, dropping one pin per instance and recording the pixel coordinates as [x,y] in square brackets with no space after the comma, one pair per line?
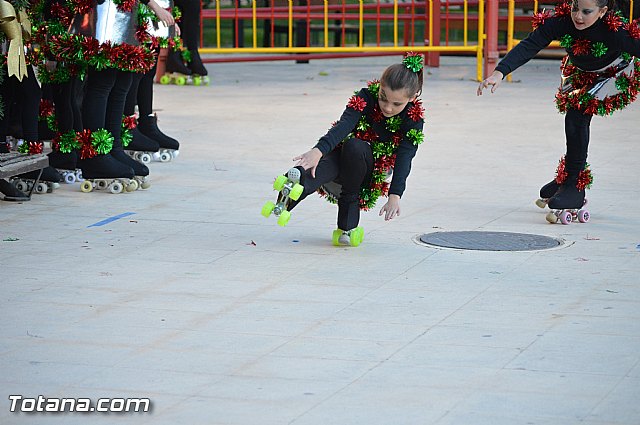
[493,80]
[391,208]
[309,160]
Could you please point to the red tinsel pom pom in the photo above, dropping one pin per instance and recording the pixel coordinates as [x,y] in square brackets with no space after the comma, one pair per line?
[563,9]
[539,18]
[613,21]
[357,103]
[581,47]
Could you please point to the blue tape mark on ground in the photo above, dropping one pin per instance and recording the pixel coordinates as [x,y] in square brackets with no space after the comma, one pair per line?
[110,219]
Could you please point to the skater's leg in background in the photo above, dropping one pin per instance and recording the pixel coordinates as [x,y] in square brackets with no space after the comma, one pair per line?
[132,95]
[115,104]
[145,92]
[356,166]
[94,104]
[29,99]
[576,127]
[577,134]
[190,27]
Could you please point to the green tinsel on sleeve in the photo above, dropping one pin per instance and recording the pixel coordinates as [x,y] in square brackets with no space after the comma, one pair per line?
[566,41]
[186,55]
[415,136]
[68,142]
[102,141]
[374,88]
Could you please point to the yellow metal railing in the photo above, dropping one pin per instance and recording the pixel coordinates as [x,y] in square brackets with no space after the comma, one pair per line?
[358,14]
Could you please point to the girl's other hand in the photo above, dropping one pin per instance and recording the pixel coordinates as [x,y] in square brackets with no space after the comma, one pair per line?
[163,15]
[392,208]
[309,160]
[493,80]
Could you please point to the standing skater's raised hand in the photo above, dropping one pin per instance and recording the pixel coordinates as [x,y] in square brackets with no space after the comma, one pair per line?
[493,80]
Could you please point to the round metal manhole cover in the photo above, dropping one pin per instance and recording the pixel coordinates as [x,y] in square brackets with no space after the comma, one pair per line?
[490,241]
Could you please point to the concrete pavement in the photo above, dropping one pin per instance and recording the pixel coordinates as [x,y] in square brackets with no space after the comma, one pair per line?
[219,316]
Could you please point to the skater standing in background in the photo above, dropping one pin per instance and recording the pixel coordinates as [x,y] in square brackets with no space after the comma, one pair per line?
[377,134]
[191,35]
[600,74]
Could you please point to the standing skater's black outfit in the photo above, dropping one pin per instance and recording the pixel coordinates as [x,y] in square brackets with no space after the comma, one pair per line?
[599,76]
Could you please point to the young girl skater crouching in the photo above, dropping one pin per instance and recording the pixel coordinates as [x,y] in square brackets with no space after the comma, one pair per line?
[600,74]
[377,134]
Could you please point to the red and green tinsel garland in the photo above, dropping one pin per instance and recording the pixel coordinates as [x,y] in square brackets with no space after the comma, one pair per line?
[384,151]
[580,99]
[585,177]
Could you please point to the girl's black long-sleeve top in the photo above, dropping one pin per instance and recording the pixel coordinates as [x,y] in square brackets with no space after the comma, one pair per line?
[377,129]
[555,28]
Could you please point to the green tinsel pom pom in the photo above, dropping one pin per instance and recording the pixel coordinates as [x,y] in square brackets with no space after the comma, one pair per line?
[69,142]
[126,136]
[599,49]
[163,42]
[102,141]
[363,125]
[177,13]
[622,83]
[186,55]
[99,62]
[374,88]
[394,123]
[626,56]
[381,149]
[585,99]
[413,62]
[416,136]
[52,123]
[23,148]
[566,41]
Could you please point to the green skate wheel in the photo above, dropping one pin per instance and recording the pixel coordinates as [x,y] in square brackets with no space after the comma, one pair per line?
[181,81]
[279,183]
[165,79]
[356,236]
[197,81]
[86,186]
[335,238]
[296,191]
[284,218]
[268,208]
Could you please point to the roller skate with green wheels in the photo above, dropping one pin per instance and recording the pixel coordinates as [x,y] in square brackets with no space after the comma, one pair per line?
[289,189]
[353,237]
[200,80]
[176,78]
